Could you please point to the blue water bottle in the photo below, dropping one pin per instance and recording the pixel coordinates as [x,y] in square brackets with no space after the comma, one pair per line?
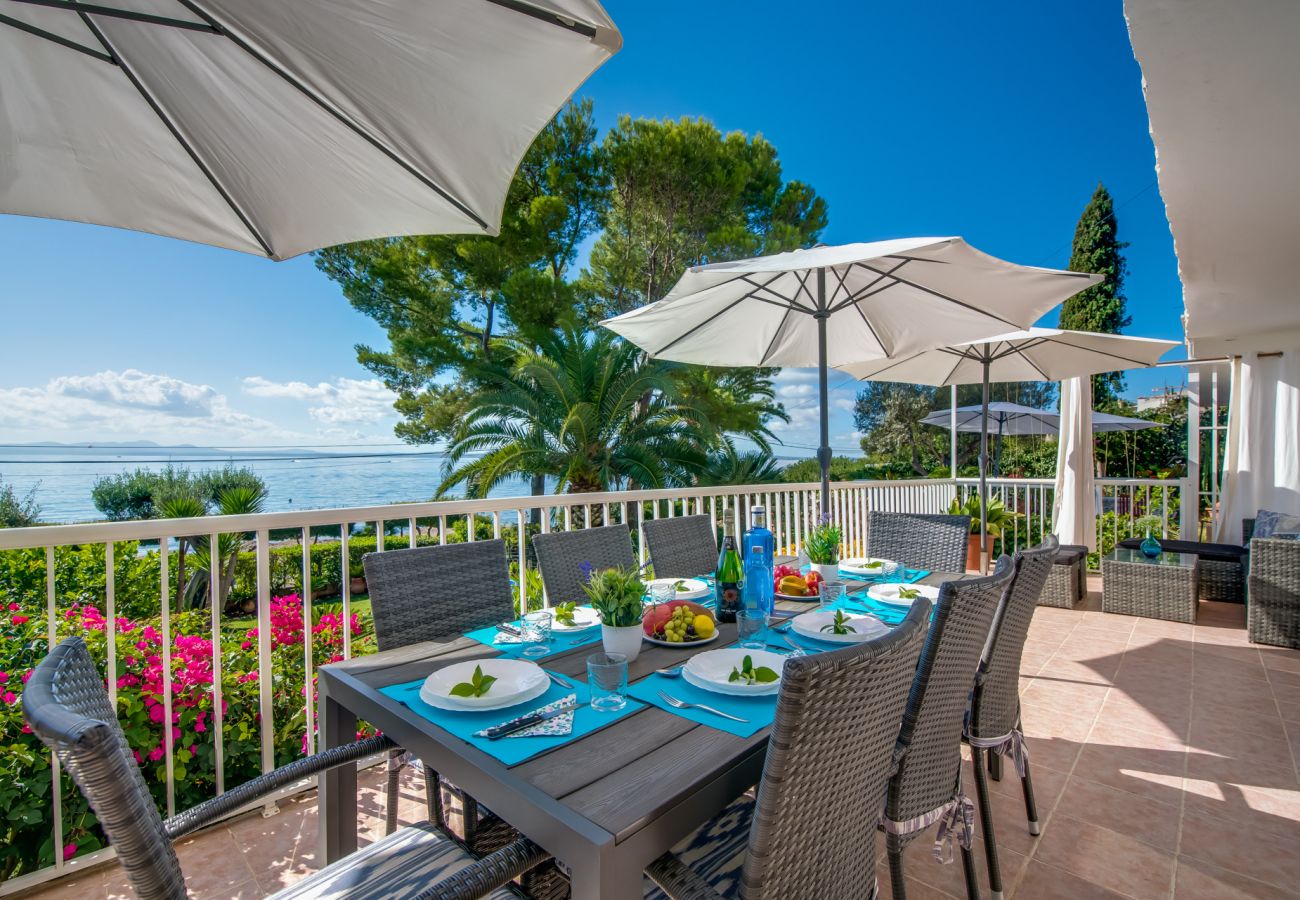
[759,536]
[758,592]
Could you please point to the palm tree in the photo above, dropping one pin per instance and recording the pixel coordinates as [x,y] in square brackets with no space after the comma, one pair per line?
[732,401]
[181,506]
[727,467]
[240,500]
[575,408]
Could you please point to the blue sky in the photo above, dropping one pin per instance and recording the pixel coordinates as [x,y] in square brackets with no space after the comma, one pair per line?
[990,122]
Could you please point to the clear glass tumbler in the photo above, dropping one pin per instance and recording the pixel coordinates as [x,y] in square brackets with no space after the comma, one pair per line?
[607,681]
[536,627]
[751,623]
[830,593]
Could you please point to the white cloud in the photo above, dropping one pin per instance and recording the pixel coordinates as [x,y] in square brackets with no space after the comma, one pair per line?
[345,401]
[797,389]
[128,404]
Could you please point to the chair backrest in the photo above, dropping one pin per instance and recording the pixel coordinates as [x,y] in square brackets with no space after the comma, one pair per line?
[563,557]
[684,547]
[67,706]
[996,703]
[828,759]
[932,542]
[437,593]
[930,739]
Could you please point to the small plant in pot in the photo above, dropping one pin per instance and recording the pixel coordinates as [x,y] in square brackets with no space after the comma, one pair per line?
[999,519]
[616,596]
[823,548]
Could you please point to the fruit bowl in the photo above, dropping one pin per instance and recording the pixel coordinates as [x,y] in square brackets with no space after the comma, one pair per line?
[678,622]
[789,584]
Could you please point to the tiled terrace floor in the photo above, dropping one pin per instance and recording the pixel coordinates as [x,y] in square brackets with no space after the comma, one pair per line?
[1164,759]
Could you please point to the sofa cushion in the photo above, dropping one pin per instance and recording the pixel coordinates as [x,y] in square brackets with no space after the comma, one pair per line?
[1212,552]
[1268,524]
[1068,554]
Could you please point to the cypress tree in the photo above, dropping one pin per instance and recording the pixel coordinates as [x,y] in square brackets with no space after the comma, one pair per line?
[1101,307]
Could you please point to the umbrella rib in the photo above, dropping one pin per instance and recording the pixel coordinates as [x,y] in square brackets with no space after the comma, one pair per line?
[762,361]
[783,302]
[312,95]
[942,296]
[741,299]
[176,133]
[875,336]
[1136,362]
[1035,366]
[57,39]
[569,24]
[113,12]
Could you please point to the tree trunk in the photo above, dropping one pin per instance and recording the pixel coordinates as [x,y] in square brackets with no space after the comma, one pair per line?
[180,571]
[538,490]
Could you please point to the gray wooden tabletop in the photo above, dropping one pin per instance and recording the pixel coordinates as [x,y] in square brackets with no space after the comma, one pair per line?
[605,804]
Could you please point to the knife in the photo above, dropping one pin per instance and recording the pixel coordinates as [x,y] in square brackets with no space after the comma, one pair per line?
[507,628]
[528,721]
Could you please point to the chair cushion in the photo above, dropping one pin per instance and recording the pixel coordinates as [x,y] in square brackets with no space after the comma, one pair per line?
[403,864]
[1213,552]
[1068,554]
[1268,524]
[716,850]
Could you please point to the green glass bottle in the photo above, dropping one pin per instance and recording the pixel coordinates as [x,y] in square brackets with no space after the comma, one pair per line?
[729,578]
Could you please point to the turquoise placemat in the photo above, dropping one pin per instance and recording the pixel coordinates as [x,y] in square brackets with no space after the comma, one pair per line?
[760,711]
[510,750]
[909,576]
[560,643]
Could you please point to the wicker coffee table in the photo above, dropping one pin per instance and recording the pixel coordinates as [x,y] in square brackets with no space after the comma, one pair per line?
[1163,587]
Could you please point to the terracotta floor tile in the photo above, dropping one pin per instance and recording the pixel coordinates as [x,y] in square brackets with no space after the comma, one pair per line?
[1153,821]
[1111,859]
[1196,879]
[1157,774]
[1256,854]
[919,863]
[1271,809]
[1156,715]
[1044,882]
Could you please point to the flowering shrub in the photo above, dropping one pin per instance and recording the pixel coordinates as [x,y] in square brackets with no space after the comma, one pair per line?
[26,840]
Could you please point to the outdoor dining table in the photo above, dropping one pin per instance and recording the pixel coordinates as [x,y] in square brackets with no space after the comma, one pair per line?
[605,804]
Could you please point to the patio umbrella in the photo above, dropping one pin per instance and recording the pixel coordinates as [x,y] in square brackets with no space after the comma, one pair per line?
[832,306]
[281,127]
[1035,354]
[1016,420]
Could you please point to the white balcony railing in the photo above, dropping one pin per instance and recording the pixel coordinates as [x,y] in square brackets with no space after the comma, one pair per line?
[792,509]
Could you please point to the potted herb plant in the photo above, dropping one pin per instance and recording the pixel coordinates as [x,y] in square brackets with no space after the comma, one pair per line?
[999,518]
[616,596]
[823,548]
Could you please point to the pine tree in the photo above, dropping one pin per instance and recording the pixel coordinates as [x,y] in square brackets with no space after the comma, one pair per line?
[1101,307]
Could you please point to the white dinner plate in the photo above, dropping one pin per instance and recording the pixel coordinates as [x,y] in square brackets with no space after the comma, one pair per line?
[692,588]
[584,617]
[810,625]
[711,669]
[662,643]
[798,598]
[888,593]
[517,681]
[863,565]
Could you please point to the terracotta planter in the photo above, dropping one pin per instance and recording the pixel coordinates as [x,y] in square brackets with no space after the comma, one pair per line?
[358,586]
[625,640]
[973,551]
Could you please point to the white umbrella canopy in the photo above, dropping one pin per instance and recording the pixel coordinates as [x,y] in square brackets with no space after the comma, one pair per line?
[1017,420]
[834,306]
[276,128]
[1035,354]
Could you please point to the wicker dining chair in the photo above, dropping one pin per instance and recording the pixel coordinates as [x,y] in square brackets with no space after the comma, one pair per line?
[932,542]
[828,759]
[436,594]
[67,706]
[993,725]
[564,558]
[682,547]
[926,788]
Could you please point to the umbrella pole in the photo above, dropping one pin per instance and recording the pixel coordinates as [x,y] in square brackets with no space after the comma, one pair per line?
[984,466]
[823,451]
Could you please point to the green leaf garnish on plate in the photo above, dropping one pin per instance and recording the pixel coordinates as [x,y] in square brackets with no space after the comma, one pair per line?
[476,687]
[874,564]
[748,674]
[681,586]
[840,625]
[908,593]
[564,613]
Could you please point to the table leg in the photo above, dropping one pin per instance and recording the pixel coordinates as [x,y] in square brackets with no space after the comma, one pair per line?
[600,877]
[337,788]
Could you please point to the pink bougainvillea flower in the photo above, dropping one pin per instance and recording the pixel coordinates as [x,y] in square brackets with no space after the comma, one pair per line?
[20,620]
[69,851]
[27,675]
[14,607]
[4,676]
[10,697]
[156,753]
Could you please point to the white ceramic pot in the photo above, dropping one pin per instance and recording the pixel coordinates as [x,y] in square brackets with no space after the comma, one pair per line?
[625,640]
[828,571]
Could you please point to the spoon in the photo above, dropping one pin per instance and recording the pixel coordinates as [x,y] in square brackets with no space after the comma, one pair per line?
[672,672]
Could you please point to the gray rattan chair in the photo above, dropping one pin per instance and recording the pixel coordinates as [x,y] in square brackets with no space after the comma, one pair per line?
[436,594]
[828,759]
[932,542]
[1273,589]
[68,708]
[562,557]
[926,789]
[684,547]
[993,726]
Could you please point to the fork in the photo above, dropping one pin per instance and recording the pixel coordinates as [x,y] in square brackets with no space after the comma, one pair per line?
[682,704]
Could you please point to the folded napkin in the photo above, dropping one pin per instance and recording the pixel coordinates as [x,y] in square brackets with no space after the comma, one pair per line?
[559,725]
[513,645]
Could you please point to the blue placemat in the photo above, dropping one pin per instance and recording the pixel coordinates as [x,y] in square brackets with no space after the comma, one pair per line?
[909,576]
[560,643]
[510,750]
[760,711]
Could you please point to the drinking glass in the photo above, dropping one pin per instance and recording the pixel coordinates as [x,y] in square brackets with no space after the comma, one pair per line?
[607,681]
[830,593]
[536,627]
[751,623]
[662,592]
[891,572]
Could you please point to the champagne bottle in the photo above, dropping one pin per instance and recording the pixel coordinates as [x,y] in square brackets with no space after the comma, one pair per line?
[728,579]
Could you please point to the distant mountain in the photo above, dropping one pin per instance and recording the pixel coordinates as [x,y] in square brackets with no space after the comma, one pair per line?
[144,445]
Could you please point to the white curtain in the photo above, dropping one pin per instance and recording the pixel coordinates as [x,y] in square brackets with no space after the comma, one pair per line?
[1261,469]
[1074,515]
